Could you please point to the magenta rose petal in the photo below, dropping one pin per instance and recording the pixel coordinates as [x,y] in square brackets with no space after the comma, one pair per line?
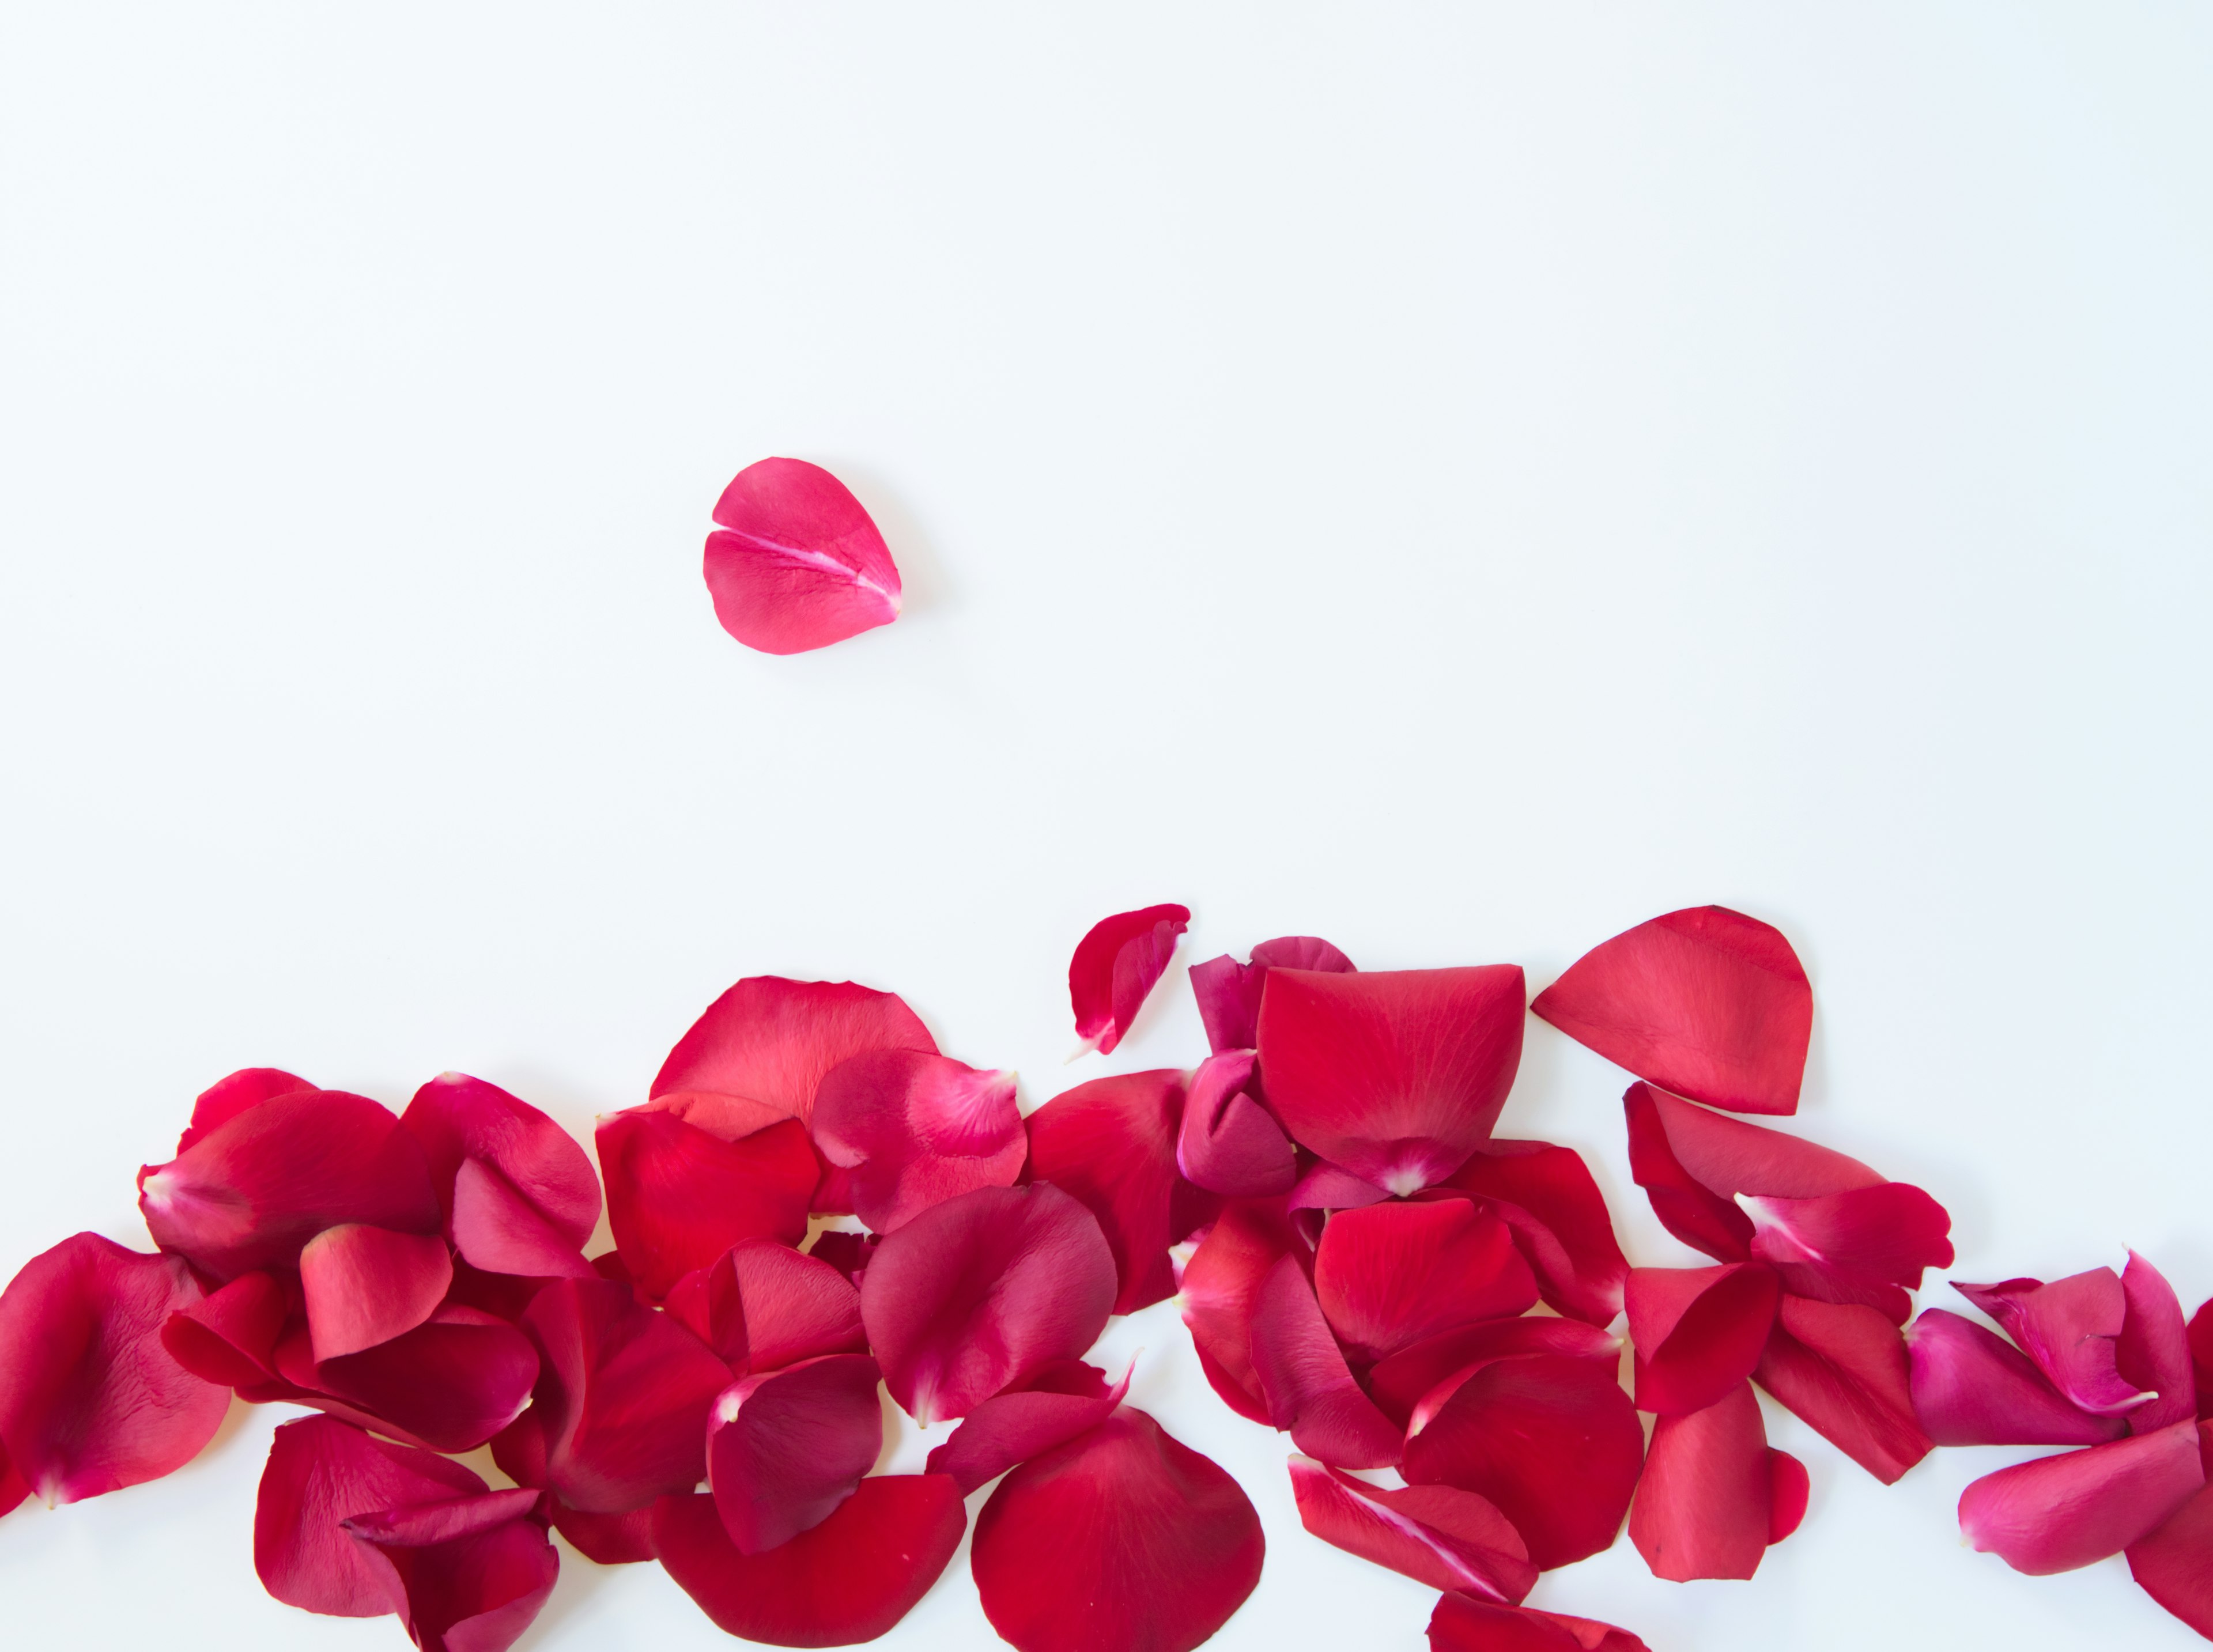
[1307,1386]
[908,1130]
[1391,1275]
[227,1098]
[1435,1534]
[519,1191]
[1865,1245]
[785,1448]
[1229,992]
[2153,1354]
[2058,1513]
[2071,1328]
[2174,1563]
[796,563]
[470,1576]
[1115,968]
[1971,1388]
[1111,1145]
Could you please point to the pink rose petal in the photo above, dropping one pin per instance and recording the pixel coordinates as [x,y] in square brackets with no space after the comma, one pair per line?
[2174,1563]
[2153,1354]
[798,563]
[2072,1329]
[1115,968]
[2056,1514]
[1971,1388]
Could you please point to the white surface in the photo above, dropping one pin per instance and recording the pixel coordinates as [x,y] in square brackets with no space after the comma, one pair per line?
[1456,480]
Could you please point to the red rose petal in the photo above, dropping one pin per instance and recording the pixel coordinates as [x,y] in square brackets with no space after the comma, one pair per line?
[230,1337]
[1789,1489]
[1308,1387]
[1546,1195]
[2056,1514]
[976,1292]
[12,1487]
[911,1130]
[798,563]
[846,1581]
[1112,1144]
[2071,1328]
[1971,1388]
[474,1590]
[620,1540]
[1064,1400]
[1122,1540]
[227,1098]
[1391,1275]
[785,1448]
[1463,1623]
[2174,1565]
[1327,1187]
[762,1305]
[1704,1507]
[1841,1368]
[1699,1332]
[365,1285]
[1228,1144]
[678,1197]
[1115,968]
[1399,1076]
[1435,1534]
[1402,1382]
[1704,1002]
[519,1191]
[1867,1245]
[1229,992]
[2153,1353]
[450,1383]
[90,1401]
[2201,1356]
[1221,1286]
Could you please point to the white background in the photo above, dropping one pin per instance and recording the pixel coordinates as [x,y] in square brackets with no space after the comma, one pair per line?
[1458,480]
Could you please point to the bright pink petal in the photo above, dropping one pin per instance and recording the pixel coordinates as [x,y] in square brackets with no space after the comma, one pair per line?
[1435,1534]
[2058,1513]
[519,1191]
[625,1393]
[365,1285]
[2072,1329]
[911,1130]
[1698,1332]
[227,1098]
[230,1337]
[785,1448]
[1112,1144]
[1704,1506]
[1842,1368]
[846,1581]
[1122,1540]
[1221,1287]
[1546,1195]
[977,1292]
[90,1401]
[798,563]
[1971,1388]
[1115,968]
[1402,1382]
[1463,1623]
[678,1197]
[1553,1442]
[1062,1402]
[1309,1389]
[1867,1245]
[450,1383]
[2174,1563]
[1229,992]
[1391,1275]
[1399,1076]
[2153,1354]
[1704,1002]
[250,1192]
[469,1577]
[1228,1144]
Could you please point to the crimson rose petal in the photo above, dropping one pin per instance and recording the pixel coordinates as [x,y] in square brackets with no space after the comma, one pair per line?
[1971,1388]
[620,1540]
[230,1337]
[785,1448]
[1546,1195]
[678,1196]
[1463,1623]
[1221,1286]
[2154,1350]
[1227,1142]
[1065,1400]
[13,1488]
[798,563]
[469,1575]
[365,1285]
[518,1192]
[1698,1332]
[1112,1144]
[1229,992]
[1401,1383]
[911,1130]
[1391,1275]
[1115,968]
[1842,1368]
[1705,1507]
[2071,1328]
[1435,1534]
[1308,1387]
[1866,1245]
[2056,1514]
[450,1384]
[2174,1565]
[225,1099]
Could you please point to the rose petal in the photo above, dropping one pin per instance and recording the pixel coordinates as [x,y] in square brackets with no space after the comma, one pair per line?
[2071,1328]
[1699,1332]
[2056,1514]
[785,1448]
[421,1525]
[476,1591]
[1228,1144]
[678,1197]
[2153,1354]
[1112,1144]
[90,1401]
[1115,968]
[620,1540]
[974,1293]
[846,1581]
[1391,1275]
[1704,1507]
[1841,1368]
[2201,1356]
[1463,1623]
[1789,1489]
[1867,1245]
[1402,1382]
[1398,1075]
[1308,1387]
[1229,992]
[12,1487]
[227,1098]
[229,1338]
[1435,1534]
[1327,1187]
[798,563]
[1009,1429]
[911,1130]
[797,1306]
[2174,1563]
[365,1285]
[450,1383]
[1971,1388]
[847,1252]
[518,1192]
[1704,1002]
[1220,1287]
[1546,1195]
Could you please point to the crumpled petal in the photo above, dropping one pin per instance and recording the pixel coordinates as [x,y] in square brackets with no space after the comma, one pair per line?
[468,1577]
[1699,1332]
[1841,1368]
[2071,1328]
[622,1539]
[1397,1076]
[1971,1388]
[450,1383]
[974,1293]
[1229,992]
[1404,1382]
[1228,1144]
[2174,1563]
[678,1196]
[251,1192]
[2153,1354]
[1302,1374]
[225,1099]
[1123,1540]
[785,1448]
[2057,1513]
[911,1130]
[1112,1144]
[1066,1398]
[1462,1623]
[846,1581]
[1435,1534]
[1704,1002]
[798,563]
[518,1192]
[1221,1287]
[1391,1275]
[230,1335]
[762,1305]
[1546,1195]
[1115,968]
[1866,1245]
[1705,1507]
[365,1285]
[91,1400]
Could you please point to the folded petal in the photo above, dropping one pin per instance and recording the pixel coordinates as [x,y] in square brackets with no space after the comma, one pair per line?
[1229,992]
[911,1130]
[1463,1623]
[475,1590]
[1866,1245]
[2058,1513]
[1705,1505]
[1704,1002]
[1391,1275]
[1403,1382]
[1228,1144]
[1308,1387]
[1221,1287]
[785,1448]
[250,1192]
[975,1293]
[797,563]
[1686,1207]
[90,1401]
[795,1307]
[846,1581]
[1545,1194]
[1435,1534]
[230,1337]
[1841,1368]
[1115,968]
[2071,1328]
[1971,1388]
[678,1197]
[1059,1403]
[227,1098]
[1699,1332]
[1112,1144]
[1123,1540]
[519,1191]
[1397,1076]
[2153,1353]
[450,1383]
[1553,1442]
[365,1285]
[2174,1563]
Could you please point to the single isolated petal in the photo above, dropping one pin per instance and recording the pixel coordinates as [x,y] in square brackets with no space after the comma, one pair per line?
[1841,1368]
[678,1197]
[2058,1513]
[1971,1388]
[1435,1534]
[1407,1380]
[785,1448]
[1866,1245]
[1309,1389]
[1123,1540]
[1704,1002]
[365,1285]
[450,1383]
[1115,968]
[2072,1329]
[1546,1195]
[1065,1400]
[1112,1144]
[1221,1287]
[230,1337]
[1699,1332]
[1391,1275]
[90,1401]
[1462,1623]
[2174,1565]
[227,1098]
[519,1191]
[2153,1353]
[1229,992]
[471,1575]
[798,563]
[977,1292]
[1228,1144]
[846,1581]
[911,1130]
[1397,1076]
[1705,1507]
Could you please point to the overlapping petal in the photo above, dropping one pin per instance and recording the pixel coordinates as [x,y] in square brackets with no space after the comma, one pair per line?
[1842,1368]
[229,1337]
[1865,1245]
[1221,1288]
[1115,968]
[1435,1534]
[798,563]
[1227,1142]
[1112,1144]
[2071,1328]
[762,1305]
[1229,992]
[2057,1513]
[678,1196]
[468,1575]
[450,1384]
[1546,1195]
[519,1194]
[2174,1563]
[1971,1388]
[910,1129]
[1708,1503]
[1700,1332]
[365,1285]
[618,1539]
[228,1097]
[2153,1354]
[1402,1383]
[1302,1376]
[1054,1406]
[1391,1275]
[785,1448]
[1462,1623]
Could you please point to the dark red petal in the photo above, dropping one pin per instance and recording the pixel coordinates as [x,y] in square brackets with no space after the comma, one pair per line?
[622,1540]
[475,1591]
[765,1045]
[1401,1382]
[227,1098]
[249,1193]
[1546,1195]
[1704,1002]
[1308,1387]
[450,1384]
[1228,1144]
[1115,966]
[846,1581]
[2201,1356]
[678,1197]
[1435,1534]
[420,1525]
[1398,1075]
[1221,1284]
[1841,1368]
[712,1307]
[1122,1540]
[12,1487]
[1867,1245]
[1112,1144]
[1012,1427]
[1971,1388]
[365,1285]
[1229,992]
[1698,1332]
[848,1252]
[1693,1212]
[1704,1507]
[1553,1442]
[785,1448]
[798,563]
[2056,1514]
[2174,1565]
[977,1292]
[2153,1353]
[1789,1489]
[1391,1275]
[625,1393]
[906,1130]
[531,1196]
[90,1401]
[1463,1623]
[2072,1329]
[229,1338]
